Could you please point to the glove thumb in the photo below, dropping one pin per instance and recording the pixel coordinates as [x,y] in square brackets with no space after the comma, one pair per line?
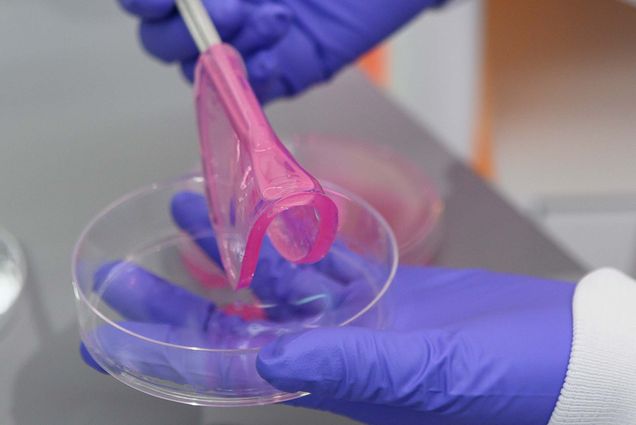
[362,365]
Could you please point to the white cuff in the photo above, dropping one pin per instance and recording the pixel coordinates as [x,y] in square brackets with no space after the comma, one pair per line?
[600,385]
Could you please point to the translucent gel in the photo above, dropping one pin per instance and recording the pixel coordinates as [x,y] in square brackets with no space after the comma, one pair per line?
[253,183]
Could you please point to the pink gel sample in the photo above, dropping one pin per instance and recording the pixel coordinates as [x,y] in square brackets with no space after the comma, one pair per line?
[253,183]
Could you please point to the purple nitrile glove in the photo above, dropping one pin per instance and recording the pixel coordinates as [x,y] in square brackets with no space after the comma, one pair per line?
[463,347]
[330,290]
[288,45]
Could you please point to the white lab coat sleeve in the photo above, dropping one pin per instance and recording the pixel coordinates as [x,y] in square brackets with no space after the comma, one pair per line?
[600,385]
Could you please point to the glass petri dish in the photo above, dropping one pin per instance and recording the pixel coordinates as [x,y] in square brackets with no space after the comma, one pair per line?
[390,182]
[146,318]
[12,274]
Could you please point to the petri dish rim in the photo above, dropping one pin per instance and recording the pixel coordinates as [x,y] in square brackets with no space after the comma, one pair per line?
[330,188]
[206,401]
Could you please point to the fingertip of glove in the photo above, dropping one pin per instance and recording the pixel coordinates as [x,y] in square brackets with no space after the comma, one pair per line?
[306,361]
[89,360]
[188,210]
[186,199]
[273,353]
[187,69]
[148,9]
[278,17]
[281,12]
[275,364]
[262,66]
[270,92]
[128,5]
[228,15]
[104,273]
[167,40]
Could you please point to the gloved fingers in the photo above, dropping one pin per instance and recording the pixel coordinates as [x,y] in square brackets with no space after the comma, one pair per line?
[169,40]
[305,294]
[288,67]
[149,9]
[345,265]
[187,68]
[421,371]
[353,300]
[290,294]
[142,296]
[267,91]
[265,76]
[190,212]
[229,16]
[89,360]
[264,27]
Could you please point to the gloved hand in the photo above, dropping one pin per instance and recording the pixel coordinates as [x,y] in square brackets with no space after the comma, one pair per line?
[288,45]
[463,347]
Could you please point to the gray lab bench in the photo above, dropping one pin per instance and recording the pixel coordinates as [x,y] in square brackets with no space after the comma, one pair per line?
[80,129]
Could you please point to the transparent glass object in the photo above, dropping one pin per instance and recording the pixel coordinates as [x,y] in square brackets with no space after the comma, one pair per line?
[253,183]
[12,273]
[215,364]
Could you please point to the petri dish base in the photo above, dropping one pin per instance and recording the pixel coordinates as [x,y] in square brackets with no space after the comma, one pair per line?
[155,325]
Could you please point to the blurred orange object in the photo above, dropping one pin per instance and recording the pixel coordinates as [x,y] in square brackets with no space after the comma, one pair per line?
[376,66]
[483,150]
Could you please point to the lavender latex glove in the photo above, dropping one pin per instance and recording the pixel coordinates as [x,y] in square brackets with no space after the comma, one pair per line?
[463,347]
[288,45]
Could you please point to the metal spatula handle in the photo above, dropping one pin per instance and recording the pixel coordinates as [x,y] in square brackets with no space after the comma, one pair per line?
[199,24]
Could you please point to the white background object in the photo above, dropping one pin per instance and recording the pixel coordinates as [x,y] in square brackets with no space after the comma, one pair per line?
[600,385]
[564,121]
[435,71]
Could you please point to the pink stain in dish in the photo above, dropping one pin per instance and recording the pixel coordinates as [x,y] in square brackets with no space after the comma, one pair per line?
[248,313]
[200,266]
